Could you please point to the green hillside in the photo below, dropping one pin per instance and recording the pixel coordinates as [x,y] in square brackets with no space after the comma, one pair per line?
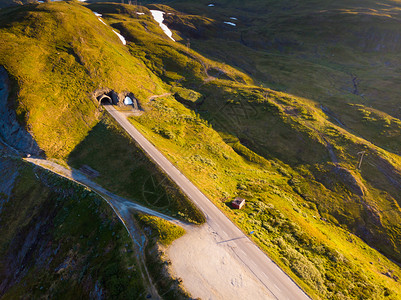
[59,240]
[58,54]
[341,54]
[276,109]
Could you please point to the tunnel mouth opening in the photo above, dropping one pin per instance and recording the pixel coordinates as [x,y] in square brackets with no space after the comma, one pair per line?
[107,96]
[105,99]
[129,99]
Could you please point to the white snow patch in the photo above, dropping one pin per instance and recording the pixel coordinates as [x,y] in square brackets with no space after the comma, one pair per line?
[120,37]
[211,4]
[139,13]
[233,18]
[128,101]
[82,0]
[158,16]
[102,21]
[230,23]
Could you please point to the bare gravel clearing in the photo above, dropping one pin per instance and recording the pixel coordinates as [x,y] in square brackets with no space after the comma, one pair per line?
[209,269]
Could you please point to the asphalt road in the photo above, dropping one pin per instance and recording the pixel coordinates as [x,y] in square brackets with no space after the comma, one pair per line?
[278,283]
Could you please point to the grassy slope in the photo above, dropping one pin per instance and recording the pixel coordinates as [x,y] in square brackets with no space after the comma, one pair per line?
[314,49]
[71,54]
[59,53]
[164,231]
[77,245]
[300,208]
[161,234]
[220,172]
[275,210]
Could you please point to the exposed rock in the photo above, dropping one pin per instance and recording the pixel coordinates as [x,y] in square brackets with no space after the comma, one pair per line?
[104,94]
[350,180]
[355,82]
[8,174]
[11,132]
[332,115]
[135,103]
[29,247]
[97,292]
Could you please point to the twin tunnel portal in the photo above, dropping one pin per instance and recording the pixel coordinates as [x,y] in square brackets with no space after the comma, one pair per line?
[110,97]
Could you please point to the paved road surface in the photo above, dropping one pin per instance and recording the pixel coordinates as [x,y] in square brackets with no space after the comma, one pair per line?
[272,277]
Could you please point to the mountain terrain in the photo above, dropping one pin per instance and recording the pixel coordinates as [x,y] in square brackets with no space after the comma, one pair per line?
[292,105]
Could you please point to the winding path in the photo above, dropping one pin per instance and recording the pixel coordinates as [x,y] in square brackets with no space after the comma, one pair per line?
[121,206]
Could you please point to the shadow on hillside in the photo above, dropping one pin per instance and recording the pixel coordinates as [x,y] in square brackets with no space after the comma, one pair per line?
[111,158]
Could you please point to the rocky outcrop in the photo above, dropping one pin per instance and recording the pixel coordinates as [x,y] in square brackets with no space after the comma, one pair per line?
[31,247]
[350,180]
[8,175]
[11,132]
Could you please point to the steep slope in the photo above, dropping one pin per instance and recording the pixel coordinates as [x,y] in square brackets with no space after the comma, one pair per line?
[59,240]
[11,131]
[342,54]
[267,122]
[57,54]
[62,241]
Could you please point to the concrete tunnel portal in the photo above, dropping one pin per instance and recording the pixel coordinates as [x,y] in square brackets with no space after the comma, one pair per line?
[110,97]
[104,99]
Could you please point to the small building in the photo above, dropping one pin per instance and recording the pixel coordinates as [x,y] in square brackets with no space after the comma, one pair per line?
[238,203]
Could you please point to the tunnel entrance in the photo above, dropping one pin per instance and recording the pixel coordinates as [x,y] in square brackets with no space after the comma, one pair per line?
[104,99]
[110,97]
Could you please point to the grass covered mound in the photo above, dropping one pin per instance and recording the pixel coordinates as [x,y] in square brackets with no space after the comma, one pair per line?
[163,231]
[161,234]
[59,240]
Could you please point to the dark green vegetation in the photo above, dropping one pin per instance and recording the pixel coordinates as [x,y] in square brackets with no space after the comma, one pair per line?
[292,156]
[59,240]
